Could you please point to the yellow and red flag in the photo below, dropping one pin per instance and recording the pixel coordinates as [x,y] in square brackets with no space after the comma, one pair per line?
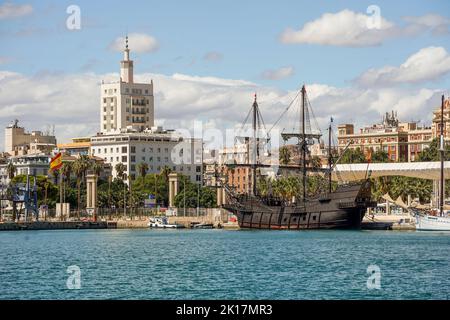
[56,162]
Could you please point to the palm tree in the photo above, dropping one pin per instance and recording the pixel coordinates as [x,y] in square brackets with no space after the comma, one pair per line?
[97,168]
[66,170]
[285,155]
[316,163]
[54,174]
[120,170]
[165,171]
[142,168]
[80,167]
[11,170]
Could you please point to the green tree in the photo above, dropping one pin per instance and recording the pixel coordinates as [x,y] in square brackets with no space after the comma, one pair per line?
[353,156]
[142,169]
[285,155]
[11,170]
[380,156]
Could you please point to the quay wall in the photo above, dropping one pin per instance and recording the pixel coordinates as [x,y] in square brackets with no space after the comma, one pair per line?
[56,225]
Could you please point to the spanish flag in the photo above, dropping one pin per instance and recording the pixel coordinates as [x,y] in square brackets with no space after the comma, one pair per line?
[56,162]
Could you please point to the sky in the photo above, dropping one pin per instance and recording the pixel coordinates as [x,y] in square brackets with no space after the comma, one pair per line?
[208,58]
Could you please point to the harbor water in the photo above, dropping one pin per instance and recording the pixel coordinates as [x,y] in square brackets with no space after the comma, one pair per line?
[221,264]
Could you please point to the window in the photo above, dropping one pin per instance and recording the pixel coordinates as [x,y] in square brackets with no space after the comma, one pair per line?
[104,100]
[111,150]
[150,150]
[159,159]
[146,91]
[104,109]
[99,150]
[128,109]
[117,150]
[198,169]
[159,150]
[166,150]
[124,158]
[117,159]
[133,167]
[104,118]
[128,118]
[104,126]
[112,108]
[166,159]
[150,159]
[133,158]
[112,159]
[143,158]
[133,149]
[198,178]
[127,90]
[124,149]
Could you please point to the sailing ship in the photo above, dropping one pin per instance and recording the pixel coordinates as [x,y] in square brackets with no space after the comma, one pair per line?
[440,222]
[343,207]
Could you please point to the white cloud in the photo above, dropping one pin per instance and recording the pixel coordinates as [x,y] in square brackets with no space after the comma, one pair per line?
[278,74]
[433,22]
[350,29]
[137,42]
[344,28]
[10,10]
[213,56]
[425,65]
[71,102]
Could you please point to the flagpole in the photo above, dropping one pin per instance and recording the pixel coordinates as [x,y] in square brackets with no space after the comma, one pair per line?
[60,196]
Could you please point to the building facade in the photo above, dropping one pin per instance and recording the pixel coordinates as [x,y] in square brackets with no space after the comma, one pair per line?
[126,104]
[18,142]
[158,149]
[401,141]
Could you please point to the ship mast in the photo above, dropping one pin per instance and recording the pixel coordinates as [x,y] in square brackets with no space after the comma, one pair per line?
[441,152]
[330,158]
[303,142]
[255,145]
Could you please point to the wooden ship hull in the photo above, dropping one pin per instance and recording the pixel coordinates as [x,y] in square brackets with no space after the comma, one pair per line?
[342,209]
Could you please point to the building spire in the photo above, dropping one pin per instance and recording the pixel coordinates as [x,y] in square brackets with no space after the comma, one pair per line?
[126,51]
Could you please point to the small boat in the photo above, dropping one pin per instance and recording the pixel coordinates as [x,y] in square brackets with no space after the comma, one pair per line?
[432,223]
[197,225]
[440,221]
[162,223]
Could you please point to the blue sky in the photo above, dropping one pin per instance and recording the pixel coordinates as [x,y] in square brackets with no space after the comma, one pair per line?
[243,35]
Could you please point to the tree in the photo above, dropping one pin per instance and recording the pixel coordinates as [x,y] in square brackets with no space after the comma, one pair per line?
[353,156]
[11,170]
[80,167]
[54,174]
[192,195]
[285,155]
[142,168]
[432,152]
[97,168]
[316,163]
[165,171]
[47,192]
[380,156]
[66,170]
[120,170]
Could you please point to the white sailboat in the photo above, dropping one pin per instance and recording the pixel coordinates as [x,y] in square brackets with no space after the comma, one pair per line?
[440,222]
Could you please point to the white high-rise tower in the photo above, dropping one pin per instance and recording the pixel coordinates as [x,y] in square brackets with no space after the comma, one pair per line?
[126,104]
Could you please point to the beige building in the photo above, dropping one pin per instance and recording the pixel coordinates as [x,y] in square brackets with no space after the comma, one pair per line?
[402,141]
[18,142]
[126,104]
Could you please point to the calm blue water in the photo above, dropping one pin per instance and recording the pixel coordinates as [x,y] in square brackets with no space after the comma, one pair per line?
[219,264]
